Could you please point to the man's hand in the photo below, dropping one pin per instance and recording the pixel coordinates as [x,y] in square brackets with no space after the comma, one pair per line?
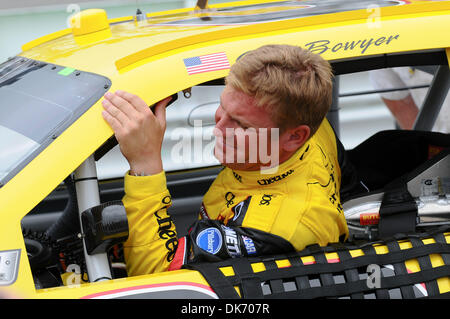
[138,130]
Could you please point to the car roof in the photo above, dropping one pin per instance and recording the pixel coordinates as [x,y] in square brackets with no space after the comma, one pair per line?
[150,58]
[127,42]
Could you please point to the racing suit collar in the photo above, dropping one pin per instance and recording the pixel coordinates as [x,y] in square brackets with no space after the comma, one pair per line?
[275,174]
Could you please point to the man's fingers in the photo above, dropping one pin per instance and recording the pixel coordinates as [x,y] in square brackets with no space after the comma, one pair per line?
[112,121]
[134,100]
[115,112]
[160,110]
[127,108]
[120,103]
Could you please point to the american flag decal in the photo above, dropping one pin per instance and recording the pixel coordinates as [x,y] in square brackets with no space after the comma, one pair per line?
[207,63]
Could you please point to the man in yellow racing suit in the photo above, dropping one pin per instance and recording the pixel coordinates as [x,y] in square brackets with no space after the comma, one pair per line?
[251,208]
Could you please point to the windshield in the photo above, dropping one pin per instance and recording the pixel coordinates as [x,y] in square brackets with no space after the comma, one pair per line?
[38,101]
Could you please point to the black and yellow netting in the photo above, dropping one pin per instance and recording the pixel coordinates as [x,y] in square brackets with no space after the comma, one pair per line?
[405,266]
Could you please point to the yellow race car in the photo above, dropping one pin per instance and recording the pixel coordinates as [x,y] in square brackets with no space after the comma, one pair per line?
[52,134]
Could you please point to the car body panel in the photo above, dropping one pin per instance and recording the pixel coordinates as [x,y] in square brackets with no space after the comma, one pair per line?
[138,56]
[180,279]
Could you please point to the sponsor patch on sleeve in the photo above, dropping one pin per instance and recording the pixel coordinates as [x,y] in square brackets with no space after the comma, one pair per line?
[210,240]
[249,245]
[231,242]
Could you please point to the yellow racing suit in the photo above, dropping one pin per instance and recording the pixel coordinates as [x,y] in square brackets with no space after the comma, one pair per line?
[244,213]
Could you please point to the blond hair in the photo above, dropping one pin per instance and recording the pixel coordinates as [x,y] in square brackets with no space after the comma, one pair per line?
[293,84]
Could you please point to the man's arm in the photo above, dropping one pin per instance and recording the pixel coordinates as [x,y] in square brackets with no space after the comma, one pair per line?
[152,240]
[400,103]
[404,110]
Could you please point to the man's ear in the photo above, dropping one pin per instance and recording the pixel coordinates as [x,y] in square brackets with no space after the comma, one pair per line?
[295,137]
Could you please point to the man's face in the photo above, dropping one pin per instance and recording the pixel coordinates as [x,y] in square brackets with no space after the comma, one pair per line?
[246,136]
